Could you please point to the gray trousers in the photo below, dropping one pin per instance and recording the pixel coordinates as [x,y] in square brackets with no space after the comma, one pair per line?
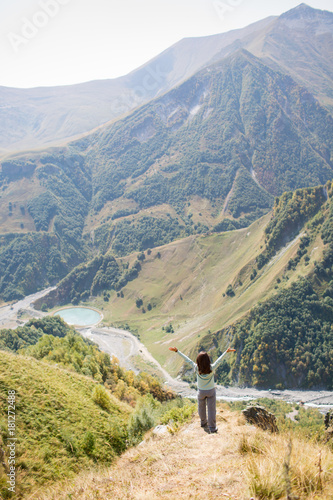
[207,398]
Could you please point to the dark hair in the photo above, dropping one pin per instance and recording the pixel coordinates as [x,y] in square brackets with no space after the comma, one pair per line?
[203,363]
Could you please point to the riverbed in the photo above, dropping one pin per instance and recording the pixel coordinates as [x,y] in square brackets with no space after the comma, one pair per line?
[125,346]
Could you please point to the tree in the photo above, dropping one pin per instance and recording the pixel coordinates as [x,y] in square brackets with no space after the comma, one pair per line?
[139,303]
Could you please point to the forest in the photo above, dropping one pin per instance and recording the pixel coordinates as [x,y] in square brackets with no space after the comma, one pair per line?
[287,341]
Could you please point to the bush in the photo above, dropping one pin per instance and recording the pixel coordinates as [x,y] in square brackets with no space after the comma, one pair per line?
[179,415]
[140,422]
[101,397]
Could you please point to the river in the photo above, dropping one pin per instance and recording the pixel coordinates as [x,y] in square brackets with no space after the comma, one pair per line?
[125,346]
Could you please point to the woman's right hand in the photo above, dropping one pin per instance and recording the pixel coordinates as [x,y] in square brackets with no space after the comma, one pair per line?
[173,349]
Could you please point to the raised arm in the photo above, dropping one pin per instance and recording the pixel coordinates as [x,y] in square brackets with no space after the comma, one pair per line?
[218,361]
[188,360]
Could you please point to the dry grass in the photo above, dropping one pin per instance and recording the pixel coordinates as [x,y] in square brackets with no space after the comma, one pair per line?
[187,464]
[240,462]
[291,468]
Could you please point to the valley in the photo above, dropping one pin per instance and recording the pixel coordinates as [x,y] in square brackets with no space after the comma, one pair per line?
[190,204]
[134,355]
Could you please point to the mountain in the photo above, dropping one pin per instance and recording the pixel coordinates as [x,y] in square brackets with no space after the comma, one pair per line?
[208,155]
[35,117]
[300,42]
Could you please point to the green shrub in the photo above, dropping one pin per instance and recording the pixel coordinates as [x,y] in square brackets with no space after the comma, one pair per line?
[179,415]
[101,397]
[140,422]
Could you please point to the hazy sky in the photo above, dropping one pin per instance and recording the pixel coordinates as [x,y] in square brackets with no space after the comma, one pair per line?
[58,42]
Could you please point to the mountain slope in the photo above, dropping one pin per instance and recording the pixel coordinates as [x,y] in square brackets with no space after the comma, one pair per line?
[34,117]
[208,155]
[239,462]
[287,340]
[200,138]
[298,43]
[31,118]
[301,43]
[59,427]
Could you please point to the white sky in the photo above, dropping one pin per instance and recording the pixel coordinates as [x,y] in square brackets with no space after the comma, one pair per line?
[58,42]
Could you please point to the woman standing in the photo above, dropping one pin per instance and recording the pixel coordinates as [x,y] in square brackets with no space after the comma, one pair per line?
[206,386]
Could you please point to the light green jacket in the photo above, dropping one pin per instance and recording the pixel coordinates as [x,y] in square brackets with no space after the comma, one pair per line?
[206,381]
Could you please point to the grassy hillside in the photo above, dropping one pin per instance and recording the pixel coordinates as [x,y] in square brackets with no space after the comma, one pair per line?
[287,340]
[241,462]
[60,429]
[74,408]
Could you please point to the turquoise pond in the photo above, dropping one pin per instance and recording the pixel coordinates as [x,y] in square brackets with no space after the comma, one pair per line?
[81,316]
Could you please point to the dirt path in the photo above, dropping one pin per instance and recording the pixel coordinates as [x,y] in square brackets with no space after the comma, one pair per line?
[9,314]
[189,464]
[284,249]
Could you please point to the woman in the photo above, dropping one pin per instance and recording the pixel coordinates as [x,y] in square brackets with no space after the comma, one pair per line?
[206,386]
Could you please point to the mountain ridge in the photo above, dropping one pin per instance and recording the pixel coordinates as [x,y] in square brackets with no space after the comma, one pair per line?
[77,109]
[108,99]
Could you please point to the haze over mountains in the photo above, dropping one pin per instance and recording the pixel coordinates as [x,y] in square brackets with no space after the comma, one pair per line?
[298,43]
[33,117]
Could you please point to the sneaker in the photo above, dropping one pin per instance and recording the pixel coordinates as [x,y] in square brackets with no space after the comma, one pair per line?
[213,431]
[204,425]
